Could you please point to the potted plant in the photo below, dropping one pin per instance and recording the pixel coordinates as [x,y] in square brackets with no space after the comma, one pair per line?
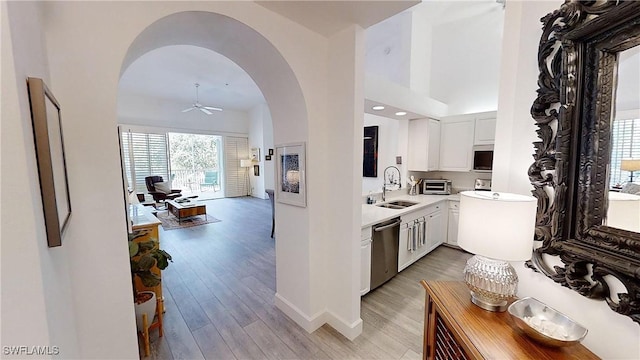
[143,256]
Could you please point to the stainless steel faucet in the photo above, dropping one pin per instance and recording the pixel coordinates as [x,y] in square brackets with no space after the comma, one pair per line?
[392,180]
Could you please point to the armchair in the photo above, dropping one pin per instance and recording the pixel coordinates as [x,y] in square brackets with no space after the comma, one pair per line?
[158,193]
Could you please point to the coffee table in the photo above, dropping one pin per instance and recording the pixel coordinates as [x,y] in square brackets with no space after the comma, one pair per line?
[185,209]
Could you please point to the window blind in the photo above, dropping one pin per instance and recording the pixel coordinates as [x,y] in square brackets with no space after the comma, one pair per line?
[144,155]
[625,144]
[236,177]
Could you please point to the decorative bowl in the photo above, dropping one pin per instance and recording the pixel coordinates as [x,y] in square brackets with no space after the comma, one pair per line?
[545,324]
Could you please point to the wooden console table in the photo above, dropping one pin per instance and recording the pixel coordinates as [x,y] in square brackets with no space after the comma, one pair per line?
[454,328]
[146,223]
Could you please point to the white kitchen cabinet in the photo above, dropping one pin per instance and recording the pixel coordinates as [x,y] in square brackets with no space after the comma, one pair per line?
[421,231]
[365,261]
[436,230]
[456,144]
[452,226]
[485,131]
[424,145]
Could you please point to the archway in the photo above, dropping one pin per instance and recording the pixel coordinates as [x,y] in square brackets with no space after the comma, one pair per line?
[269,70]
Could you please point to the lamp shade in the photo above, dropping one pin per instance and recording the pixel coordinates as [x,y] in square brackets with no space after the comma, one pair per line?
[245,163]
[497,225]
[630,164]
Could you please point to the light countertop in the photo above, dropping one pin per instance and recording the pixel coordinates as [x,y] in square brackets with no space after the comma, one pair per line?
[372,214]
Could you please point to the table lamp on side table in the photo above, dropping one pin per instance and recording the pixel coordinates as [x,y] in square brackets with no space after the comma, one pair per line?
[630,165]
[496,227]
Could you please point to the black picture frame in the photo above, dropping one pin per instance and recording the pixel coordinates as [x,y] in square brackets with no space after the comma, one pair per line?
[267,157]
[256,170]
[270,152]
[50,156]
[370,152]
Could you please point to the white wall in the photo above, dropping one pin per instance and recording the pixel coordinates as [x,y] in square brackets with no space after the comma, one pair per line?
[261,136]
[343,170]
[611,336]
[316,79]
[37,299]
[392,141]
[465,62]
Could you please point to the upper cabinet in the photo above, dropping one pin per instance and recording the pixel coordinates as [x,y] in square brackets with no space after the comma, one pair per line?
[456,144]
[485,132]
[458,135]
[424,145]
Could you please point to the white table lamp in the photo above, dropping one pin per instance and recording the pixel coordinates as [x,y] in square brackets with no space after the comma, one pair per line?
[496,227]
[630,165]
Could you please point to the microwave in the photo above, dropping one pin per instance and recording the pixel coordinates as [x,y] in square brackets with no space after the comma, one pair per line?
[483,158]
[436,187]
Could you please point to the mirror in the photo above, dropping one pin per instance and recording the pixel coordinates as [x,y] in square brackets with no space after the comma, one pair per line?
[582,45]
[623,211]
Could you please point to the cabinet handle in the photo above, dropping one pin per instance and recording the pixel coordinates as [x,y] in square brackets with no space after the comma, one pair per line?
[409,238]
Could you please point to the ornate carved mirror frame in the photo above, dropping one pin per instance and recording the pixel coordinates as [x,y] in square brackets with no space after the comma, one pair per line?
[578,60]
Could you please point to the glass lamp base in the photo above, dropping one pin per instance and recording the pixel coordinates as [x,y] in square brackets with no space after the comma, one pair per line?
[492,282]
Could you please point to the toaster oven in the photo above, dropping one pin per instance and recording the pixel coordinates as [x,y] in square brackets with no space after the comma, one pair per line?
[436,186]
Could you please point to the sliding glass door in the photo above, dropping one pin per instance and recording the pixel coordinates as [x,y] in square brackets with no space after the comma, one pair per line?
[196,166]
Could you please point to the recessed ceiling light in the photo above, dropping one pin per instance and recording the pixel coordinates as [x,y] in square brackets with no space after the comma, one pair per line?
[401,113]
[378,107]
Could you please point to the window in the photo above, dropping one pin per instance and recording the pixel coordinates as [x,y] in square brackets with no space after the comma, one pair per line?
[625,145]
[144,155]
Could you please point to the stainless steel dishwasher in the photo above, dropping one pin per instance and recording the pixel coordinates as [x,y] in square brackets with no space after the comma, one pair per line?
[384,252]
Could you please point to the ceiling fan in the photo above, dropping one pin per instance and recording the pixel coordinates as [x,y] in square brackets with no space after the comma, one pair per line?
[197,105]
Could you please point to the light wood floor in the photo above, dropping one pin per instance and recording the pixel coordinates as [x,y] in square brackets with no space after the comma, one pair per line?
[220,288]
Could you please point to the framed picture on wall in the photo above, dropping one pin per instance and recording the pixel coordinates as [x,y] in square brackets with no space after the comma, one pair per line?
[52,167]
[370,152]
[290,180]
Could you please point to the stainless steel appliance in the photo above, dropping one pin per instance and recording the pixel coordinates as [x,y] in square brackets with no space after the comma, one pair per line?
[384,252]
[483,158]
[482,184]
[436,186]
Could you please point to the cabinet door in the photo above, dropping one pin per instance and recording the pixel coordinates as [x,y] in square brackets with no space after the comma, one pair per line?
[456,145]
[405,246]
[435,230]
[485,132]
[424,147]
[433,155]
[452,227]
[365,266]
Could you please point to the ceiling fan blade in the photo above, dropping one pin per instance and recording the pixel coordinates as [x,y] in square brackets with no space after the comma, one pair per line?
[212,108]
[188,109]
[206,111]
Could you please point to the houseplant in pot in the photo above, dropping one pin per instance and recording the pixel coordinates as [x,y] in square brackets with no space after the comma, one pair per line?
[144,256]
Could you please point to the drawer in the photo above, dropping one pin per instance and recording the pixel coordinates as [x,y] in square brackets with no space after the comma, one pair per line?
[454,205]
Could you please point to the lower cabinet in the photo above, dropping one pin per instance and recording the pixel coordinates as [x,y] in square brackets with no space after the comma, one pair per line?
[454,219]
[420,232]
[365,261]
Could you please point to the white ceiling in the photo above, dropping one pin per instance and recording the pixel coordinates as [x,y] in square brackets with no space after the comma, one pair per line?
[170,73]
[329,17]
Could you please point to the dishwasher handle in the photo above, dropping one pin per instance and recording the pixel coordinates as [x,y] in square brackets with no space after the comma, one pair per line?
[381,228]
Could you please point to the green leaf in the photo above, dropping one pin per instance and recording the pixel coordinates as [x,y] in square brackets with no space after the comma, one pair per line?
[146,246]
[146,262]
[149,279]
[162,259]
[133,248]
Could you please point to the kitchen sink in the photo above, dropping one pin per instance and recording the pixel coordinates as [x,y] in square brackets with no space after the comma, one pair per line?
[402,203]
[390,206]
[398,204]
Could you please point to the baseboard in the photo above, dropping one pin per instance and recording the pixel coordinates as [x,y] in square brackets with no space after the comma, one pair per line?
[350,331]
[311,324]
